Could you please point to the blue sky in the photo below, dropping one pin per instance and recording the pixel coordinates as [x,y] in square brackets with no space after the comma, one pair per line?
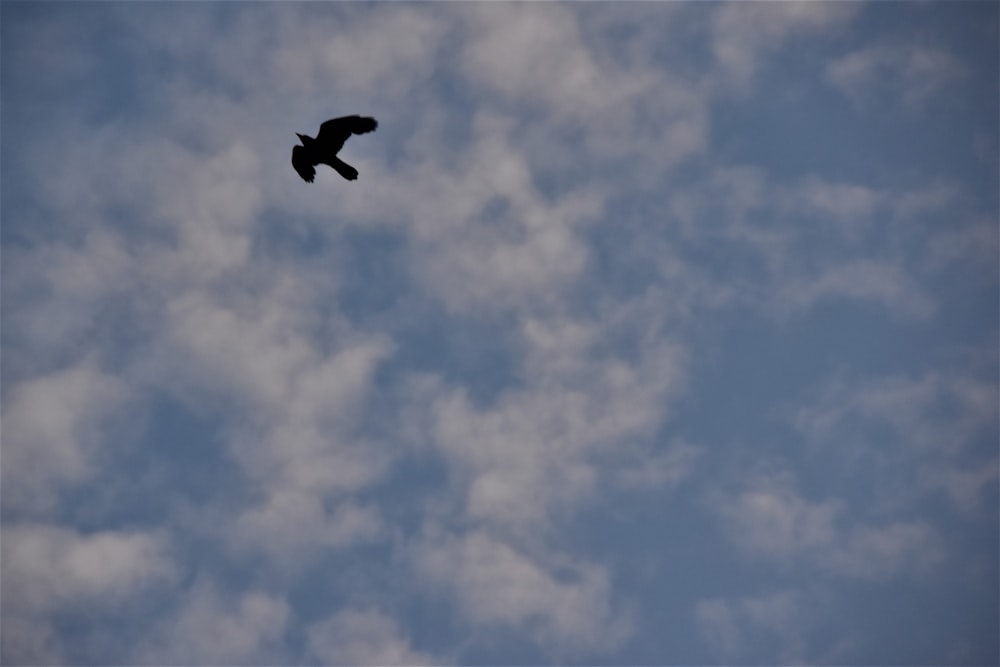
[651,333]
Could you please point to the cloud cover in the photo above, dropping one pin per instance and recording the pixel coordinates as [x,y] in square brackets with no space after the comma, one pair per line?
[615,333]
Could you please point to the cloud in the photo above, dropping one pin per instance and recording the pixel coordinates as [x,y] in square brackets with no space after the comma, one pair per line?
[528,252]
[214,227]
[534,452]
[50,570]
[717,623]
[879,282]
[764,233]
[213,628]
[362,637]
[263,351]
[544,59]
[563,603]
[47,566]
[743,35]
[301,448]
[973,244]
[842,201]
[314,56]
[591,393]
[540,57]
[733,628]
[965,486]
[877,552]
[57,289]
[59,427]
[661,469]
[770,231]
[770,519]
[936,411]
[912,73]
[290,521]
[931,431]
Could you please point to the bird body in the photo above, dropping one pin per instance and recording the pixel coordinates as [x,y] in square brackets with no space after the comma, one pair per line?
[328,142]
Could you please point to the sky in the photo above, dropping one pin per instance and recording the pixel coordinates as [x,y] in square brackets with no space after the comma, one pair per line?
[650,334]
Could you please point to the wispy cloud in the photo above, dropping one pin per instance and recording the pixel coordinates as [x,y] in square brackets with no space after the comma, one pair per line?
[772,520]
[59,427]
[49,571]
[932,431]
[362,637]
[210,627]
[912,73]
[743,35]
[561,601]
[729,625]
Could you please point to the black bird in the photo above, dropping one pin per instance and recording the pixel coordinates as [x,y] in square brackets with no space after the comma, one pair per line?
[323,149]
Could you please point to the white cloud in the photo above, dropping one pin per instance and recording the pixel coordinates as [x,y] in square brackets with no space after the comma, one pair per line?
[909,72]
[214,224]
[660,469]
[934,197]
[732,626]
[316,56]
[57,428]
[717,622]
[534,452]
[28,640]
[842,201]
[47,567]
[940,412]
[938,422]
[194,215]
[539,57]
[212,628]
[974,243]
[300,444]
[293,526]
[882,282]
[362,637]
[775,228]
[564,604]
[543,57]
[261,347]
[50,570]
[966,486]
[529,253]
[521,461]
[772,520]
[876,552]
[743,34]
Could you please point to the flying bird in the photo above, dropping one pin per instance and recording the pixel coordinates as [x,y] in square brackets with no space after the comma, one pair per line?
[324,148]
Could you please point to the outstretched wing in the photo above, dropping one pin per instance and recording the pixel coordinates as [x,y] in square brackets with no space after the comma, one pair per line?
[337,130]
[302,164]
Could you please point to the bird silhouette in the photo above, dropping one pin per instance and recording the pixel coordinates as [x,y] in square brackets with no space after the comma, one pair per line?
[328,142]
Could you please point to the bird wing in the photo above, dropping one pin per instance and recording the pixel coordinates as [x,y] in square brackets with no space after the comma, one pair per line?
[337,130]
[302,164]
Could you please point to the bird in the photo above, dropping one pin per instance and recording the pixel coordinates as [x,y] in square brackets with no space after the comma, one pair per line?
[328,142]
